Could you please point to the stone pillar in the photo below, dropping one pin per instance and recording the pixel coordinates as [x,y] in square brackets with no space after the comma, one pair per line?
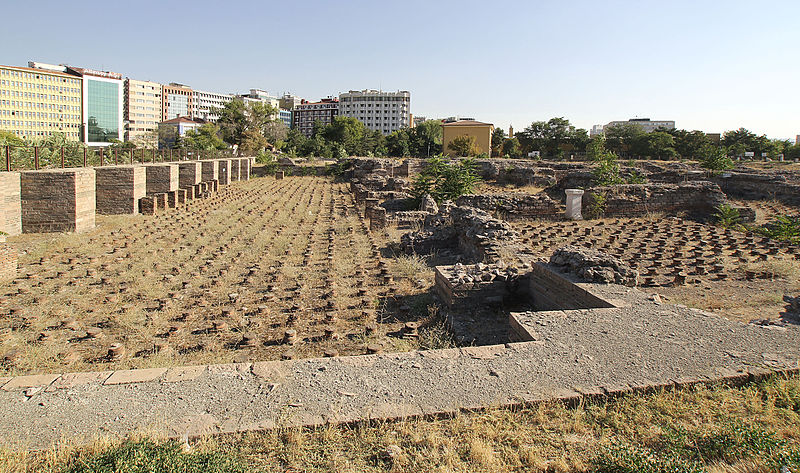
[370,204]
[148,205]
[236,169]
[210,170]
[574,203]
[162,178]
[278,174]
[58,200]
[244,172]
[223,172]
[377,218]
[189,174]
[118,189]
[10,205]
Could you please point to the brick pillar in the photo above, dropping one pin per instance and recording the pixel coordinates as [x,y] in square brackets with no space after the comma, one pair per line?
[58,200]
[244,172]
[8,261]
[278,174]
[10,204]
[210,170]
[118,189]
[377,218]
[162,178]
[236,169]
[147,205]
[189,173]
[224,172]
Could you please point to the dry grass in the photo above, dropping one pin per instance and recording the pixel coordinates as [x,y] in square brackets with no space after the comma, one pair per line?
[547,437]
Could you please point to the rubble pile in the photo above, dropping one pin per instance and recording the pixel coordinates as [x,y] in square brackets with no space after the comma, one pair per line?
[594,266]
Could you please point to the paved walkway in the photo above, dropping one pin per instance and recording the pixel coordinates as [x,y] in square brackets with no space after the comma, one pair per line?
[578,353]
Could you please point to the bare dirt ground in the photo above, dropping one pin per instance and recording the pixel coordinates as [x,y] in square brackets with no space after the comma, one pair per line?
[740,276]
[219,281]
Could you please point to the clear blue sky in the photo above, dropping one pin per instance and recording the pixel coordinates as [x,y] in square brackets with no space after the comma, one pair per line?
[709,65]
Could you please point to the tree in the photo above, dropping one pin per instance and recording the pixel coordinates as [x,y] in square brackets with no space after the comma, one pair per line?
[553,137]
[445,181]
[426,138]
[348,132]
[689,144]
[245,124]
[498,140]
[511,148]
[399,143]
[623,138]
[715,159]
[658,145]
[9,138]
[464,146]
[207,137]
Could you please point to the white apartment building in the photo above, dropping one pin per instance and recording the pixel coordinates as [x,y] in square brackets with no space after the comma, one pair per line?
[262,96]
[205,104]
[382,111]
[142,110]
[645,124]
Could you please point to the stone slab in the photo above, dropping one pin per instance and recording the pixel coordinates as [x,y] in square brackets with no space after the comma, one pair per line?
[30,381]
[135,376]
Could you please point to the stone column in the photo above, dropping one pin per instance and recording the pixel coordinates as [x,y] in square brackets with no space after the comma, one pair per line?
[574,203]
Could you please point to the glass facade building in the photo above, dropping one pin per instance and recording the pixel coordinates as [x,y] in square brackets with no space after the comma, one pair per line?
[178,106]
[102,110]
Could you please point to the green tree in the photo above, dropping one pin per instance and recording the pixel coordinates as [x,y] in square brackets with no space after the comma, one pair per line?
[399,143]
[245,124]
[689,144]
[445,181]
[426,138]
[512,148]
[498,140]
[659,145]
[714,158]
[207,137]
[9,138]
[553,137]
[622,139]
[464,146]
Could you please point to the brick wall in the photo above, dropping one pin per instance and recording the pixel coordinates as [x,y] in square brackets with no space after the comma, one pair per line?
[162,178]
[210,170]
[10,210]
[8,261]
[698,198]
[223,172]
[119,188]
[189,174]
[58,200]
[511,206]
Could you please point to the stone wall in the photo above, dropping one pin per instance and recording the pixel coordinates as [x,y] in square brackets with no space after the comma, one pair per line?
[695,198]
[161,178]
[759,187]
[513,206]
[10,206]
[119,188]
[58,200]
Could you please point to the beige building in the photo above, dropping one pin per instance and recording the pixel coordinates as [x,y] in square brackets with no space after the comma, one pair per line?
[482,132]
[36,103]
[142,110]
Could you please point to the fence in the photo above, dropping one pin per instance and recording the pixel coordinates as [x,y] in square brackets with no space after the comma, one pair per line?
[20,158]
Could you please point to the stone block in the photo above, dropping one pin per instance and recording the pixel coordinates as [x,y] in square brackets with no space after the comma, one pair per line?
[162,178]
[30,381]
[210,170]
[118,189]
[147,205]
[189,173]
[182,195]
[161,201]
[58,200]
[278,174]
[10,204]
[135,376]
[172,199]
[223,172]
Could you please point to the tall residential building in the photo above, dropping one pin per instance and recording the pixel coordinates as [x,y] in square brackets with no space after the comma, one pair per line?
[646,124]
[382,111]
[286,117]
[206,104]
[262,96]
[102,106]
[176,101]
[306,114]
[289,101]
[142,110]
[37,102]
[596,130]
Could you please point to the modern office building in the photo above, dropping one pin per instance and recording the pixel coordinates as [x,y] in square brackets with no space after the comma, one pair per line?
[262,96]
[36,102]
[306,114]
[142,110]
[645,124]
[206,104]
[176,101]
[482,132]
[382,111]
[102,117]
[596,130]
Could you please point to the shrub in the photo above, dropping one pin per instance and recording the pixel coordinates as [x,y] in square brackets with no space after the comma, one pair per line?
[727,216]
[445,181]
[636,177]
[714,158]
[597,205]
[782,228]
[607,171]
[268,160]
